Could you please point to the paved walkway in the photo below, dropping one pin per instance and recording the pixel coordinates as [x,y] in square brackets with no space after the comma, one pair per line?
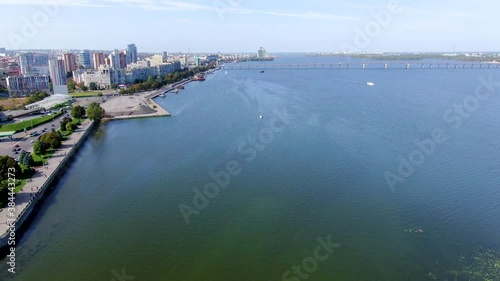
[43,173]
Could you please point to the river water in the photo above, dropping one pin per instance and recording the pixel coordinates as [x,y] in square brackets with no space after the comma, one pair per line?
[313,168]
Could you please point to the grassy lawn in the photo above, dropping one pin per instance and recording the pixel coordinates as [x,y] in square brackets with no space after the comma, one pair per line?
[42,159]
[18,127]
[20,184]
[85,94]
[65,134]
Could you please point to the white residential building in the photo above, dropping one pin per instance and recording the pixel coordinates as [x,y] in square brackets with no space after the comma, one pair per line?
[103,77]
[156,60]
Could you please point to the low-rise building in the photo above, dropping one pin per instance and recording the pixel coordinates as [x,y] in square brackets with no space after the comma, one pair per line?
[156,60]
[140,72]
[103,77]
[164,69]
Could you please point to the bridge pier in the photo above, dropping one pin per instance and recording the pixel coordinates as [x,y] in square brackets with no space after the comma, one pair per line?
[347,66]
[408,66]
[422,66]
[340,65]
[363,66]
[456,66]
[385,66]
[430,66]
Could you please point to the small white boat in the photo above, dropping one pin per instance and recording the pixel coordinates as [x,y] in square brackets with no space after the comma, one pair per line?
[370,84]
[261,117]
[162,95]
[225,72]
[176,91]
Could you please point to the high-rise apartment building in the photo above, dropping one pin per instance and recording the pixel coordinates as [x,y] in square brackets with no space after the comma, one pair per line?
[123,60]
[34,63]
[58,76]
[115,61]
[131,53]
[98,59]
[69,62]
[86,59]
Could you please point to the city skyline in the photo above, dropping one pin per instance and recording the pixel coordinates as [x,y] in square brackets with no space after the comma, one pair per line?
[242,26]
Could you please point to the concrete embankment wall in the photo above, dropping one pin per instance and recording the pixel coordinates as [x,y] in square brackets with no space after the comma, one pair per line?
[28,213]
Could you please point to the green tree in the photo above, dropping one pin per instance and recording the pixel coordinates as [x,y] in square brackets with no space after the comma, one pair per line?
[114,86]
[71,86]
[85,88]
[65,121]
[22,154]
[92,86]
[7,162]
[38,148]
[95,111]
[22,158]
[7,165]
[36,96]
[78,112]
[28,160]
[51,140]
[70,127]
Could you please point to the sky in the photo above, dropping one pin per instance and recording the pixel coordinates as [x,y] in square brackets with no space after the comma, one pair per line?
[205,26]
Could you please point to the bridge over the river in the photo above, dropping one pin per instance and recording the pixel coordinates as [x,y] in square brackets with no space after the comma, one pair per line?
[367,65]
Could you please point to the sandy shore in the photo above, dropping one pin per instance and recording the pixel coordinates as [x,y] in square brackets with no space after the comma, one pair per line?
[133,107]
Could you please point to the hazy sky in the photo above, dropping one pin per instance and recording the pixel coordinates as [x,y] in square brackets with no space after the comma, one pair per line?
[244,25]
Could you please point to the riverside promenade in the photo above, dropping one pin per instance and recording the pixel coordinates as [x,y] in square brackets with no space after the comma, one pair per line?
[34,190]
